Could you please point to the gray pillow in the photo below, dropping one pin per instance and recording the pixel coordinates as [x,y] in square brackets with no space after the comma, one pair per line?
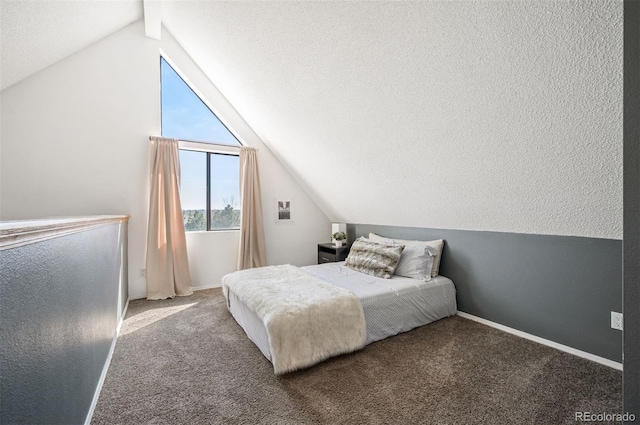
[416,262]
[437,244]
[375,259]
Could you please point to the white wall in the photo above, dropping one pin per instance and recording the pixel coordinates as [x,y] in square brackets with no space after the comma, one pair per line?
[213,254]
[75,137]
[478,115]
[38,33]
[74,141]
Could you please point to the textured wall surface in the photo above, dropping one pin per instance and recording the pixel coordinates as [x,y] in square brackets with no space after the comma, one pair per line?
[560,288]
[480,115]
[631,381]
[60,309]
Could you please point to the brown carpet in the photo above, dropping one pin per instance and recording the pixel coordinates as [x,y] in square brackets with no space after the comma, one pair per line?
[186,361]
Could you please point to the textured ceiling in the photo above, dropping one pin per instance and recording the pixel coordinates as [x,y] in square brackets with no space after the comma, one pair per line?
[481,115]
[38,33]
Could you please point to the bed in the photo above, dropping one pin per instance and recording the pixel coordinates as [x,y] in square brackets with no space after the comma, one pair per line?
[392,306]
[387,307]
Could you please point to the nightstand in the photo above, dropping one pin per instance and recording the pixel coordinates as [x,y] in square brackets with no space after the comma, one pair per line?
[329,253]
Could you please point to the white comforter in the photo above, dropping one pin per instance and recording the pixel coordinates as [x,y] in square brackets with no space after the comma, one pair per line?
[307,320]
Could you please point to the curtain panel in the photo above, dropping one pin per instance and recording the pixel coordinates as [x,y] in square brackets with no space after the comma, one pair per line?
[167,263]
[252,251]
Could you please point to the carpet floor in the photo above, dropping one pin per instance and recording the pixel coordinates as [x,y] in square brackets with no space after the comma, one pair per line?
[186,361]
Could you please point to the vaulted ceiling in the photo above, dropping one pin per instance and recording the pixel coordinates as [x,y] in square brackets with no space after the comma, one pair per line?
[471,115]
[478,115]
[37,33]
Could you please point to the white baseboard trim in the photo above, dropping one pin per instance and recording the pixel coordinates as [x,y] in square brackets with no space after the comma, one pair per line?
[137,296]
[105,368]
[122,316]
[201,288]
[543,341]
[195,288]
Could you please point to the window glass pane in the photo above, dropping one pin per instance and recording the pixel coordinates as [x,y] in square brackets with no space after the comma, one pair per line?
[225,191]
[185,116]
[193,189]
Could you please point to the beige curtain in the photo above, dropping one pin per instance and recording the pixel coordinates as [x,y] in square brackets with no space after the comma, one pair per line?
[167,264]
[252,249]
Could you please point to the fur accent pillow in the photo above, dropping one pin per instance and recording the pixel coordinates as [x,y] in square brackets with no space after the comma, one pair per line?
[375,259]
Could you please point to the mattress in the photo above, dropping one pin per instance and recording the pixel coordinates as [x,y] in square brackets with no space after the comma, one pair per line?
[391,306]
[395,305]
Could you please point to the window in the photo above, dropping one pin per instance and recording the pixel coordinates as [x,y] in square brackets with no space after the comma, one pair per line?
[209,156]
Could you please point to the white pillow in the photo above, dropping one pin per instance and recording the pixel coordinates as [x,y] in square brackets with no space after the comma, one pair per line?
[437,244]
[416,261]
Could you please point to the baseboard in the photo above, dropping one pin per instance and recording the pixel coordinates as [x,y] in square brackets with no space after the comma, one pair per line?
[195,288]
[137,296]
[201,288]
[105,369]
[122,316]
[543,341]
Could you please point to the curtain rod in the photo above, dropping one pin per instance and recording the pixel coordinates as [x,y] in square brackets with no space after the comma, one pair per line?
[207,143]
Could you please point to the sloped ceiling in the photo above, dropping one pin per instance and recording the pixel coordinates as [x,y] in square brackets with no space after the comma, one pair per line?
[38,33]
[482,115]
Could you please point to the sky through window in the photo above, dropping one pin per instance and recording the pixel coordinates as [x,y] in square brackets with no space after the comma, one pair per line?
[186,117]
[184,114]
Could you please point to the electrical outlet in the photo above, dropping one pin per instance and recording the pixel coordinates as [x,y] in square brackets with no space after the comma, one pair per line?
[143,273]
[616,320]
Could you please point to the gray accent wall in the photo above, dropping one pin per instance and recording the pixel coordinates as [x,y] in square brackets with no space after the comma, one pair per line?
[61,302]
[560,288]
[631,379]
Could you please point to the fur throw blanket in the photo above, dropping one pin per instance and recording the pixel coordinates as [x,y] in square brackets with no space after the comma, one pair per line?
[307,319]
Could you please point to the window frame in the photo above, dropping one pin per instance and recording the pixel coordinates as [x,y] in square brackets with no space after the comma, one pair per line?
[210,149]
[163,57]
